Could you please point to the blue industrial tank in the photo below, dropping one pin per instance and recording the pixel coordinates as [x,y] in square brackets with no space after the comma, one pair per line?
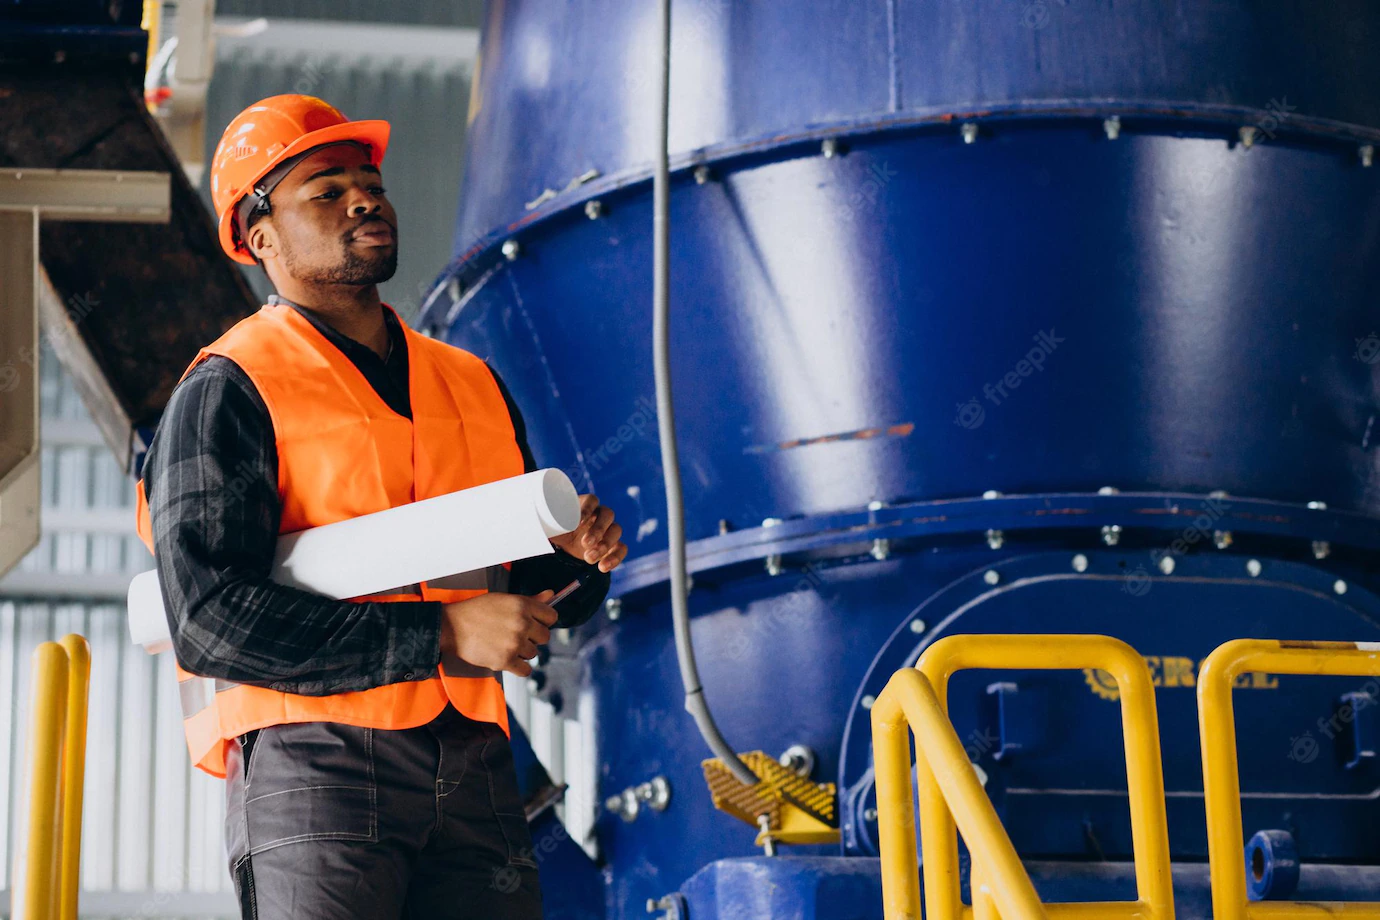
[987,316]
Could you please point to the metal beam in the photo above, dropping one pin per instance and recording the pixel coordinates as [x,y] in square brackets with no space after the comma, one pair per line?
[88,194]
[26,196]
[149,904]
[19,486]
[59,330]
[50,586]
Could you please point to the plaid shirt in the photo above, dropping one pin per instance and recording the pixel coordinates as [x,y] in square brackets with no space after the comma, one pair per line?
[211,477]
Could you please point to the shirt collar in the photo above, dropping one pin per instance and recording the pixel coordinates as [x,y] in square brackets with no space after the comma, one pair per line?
[344,342]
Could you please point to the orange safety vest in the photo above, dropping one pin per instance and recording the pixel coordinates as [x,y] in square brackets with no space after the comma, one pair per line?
[343,453]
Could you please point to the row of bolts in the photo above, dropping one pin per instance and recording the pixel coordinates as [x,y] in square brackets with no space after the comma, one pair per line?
[830,148]
[1111,536]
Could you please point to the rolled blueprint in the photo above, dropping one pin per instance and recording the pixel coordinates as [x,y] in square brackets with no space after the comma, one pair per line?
[448,541]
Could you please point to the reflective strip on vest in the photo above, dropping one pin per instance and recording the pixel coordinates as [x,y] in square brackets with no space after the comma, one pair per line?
[197,693]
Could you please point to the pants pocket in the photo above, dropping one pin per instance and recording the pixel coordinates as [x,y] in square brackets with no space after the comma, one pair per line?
[243,876]
[310,781]
[506,800]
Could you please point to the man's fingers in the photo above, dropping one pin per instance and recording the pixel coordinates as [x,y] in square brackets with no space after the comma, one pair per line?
[614,556]
[543,614]
[539,634]
[607,543]
[519,667]
[603,519]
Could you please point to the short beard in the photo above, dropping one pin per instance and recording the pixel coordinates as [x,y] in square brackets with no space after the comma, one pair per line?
[352,269]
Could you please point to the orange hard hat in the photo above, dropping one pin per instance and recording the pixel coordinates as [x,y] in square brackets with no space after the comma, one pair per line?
[268,133]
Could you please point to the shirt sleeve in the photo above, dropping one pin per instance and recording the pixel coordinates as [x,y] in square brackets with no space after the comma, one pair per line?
[212,484]
[556,570]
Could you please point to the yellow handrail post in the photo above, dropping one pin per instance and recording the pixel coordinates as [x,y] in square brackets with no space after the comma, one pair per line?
[36,865]
[1144,772]
[908,701]
[1222,782]
[895,818]
[73,772]
[984,907]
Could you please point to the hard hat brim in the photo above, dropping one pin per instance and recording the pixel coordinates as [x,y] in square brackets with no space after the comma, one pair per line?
[373,133]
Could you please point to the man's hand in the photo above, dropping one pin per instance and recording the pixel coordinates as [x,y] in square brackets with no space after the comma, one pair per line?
[597,537]
[498,631]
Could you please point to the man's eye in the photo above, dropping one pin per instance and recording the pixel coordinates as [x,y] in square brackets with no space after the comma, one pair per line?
[379,190]
[333,193]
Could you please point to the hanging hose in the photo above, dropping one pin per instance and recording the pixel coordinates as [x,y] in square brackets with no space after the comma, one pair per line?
[666,423]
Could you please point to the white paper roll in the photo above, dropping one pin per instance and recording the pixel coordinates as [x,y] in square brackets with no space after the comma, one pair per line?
[451,537]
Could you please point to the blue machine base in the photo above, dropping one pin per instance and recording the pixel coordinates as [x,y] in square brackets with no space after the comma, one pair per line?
[844,888]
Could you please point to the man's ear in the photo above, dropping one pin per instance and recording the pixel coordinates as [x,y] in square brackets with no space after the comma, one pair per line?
[263,240]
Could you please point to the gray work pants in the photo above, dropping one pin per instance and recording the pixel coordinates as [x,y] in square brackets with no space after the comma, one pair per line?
[327,821]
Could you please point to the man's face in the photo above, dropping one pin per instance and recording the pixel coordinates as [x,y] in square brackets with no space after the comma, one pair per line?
[330,221]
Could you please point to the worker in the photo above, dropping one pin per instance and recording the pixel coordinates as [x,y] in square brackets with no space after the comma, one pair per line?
[364,742]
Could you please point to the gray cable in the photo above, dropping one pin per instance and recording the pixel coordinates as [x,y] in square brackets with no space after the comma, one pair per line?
[666,423]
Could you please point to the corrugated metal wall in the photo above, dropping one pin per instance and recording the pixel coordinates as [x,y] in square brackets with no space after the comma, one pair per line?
[421,12]
[152,825]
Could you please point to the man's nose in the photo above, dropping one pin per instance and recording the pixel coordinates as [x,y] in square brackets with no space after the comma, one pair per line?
[363,203]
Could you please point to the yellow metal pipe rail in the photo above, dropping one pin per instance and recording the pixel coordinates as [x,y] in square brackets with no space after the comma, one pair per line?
[46,870]
[909,701]
[73,772]
[1222,783]
[1144,773]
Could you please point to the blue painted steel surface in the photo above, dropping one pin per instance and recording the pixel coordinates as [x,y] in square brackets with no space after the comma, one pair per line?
[911,319]
[850,889]
[572,886]
[1170,359]
[803,888]
[1113,881]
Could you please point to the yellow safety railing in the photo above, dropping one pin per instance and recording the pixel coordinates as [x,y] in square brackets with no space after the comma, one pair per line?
[1144,773]
[1002,887]
[940,807]
[47,870]
[1222,783]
